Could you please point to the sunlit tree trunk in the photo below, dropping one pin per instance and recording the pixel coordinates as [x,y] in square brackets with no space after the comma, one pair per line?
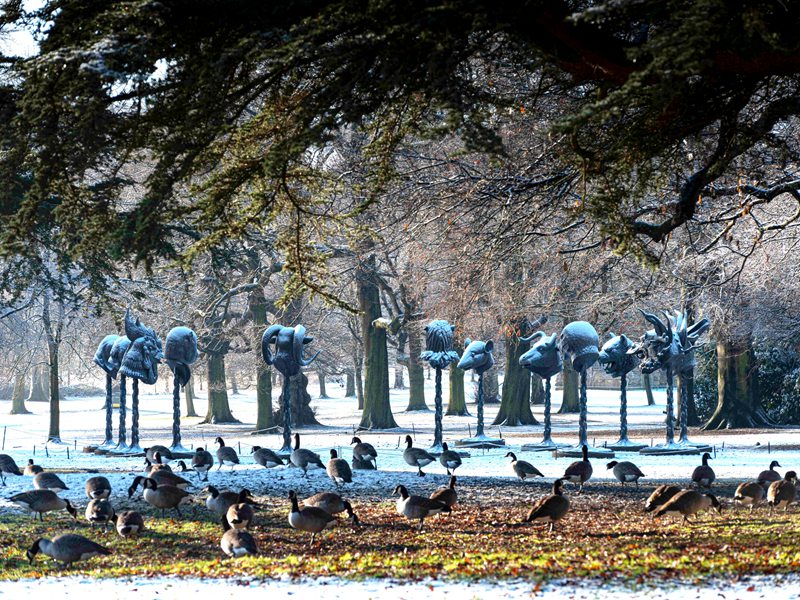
[40,386]
[219,410]
[537,389]
[457,403]
[515,408]
[571,383]
[323,393]
[491,386]
[188,396]
[18,396]
[416,372]
[350,385]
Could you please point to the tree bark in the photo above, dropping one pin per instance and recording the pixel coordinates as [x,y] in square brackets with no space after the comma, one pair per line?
[188,396]
[323,393]
[234,385]
[350,385]
[491,387]
[648,389]
[18,396]
[264,415]
[457,403]
[515,408]
[55,406]
[40,386]
[302,414]
[219,411]
[570,393]
[537,389]
[358,362]
[416,372]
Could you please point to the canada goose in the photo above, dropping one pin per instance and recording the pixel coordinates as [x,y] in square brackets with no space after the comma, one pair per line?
[580,471]
[660,496]
[446,495]
[129,523]
[704,475]
[67,549]
[32,469]
[416,457]
[8,467]
[158,454]
[305,459]
[782,493]
[332,504]
[688,502]
[522,468]
[42,501]
[365,452]
[226,455]
[219,502]
[236,542]
[169,478]
[749,493]
[99,511]
[449,460]
[240,515]
[625,472]
[417,507]
[98,487]
[152,467]
[266,457]
[309,518]
[770,475]
[202,461]
[551,508]
[49,481]
[338,470]
[160,496]
[182,468]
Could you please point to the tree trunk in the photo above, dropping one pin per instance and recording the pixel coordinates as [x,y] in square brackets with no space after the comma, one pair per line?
[219,410]
[377,412]
[188,396]
[738,401]
[40,387]
[234,385]
[416,373]
[648,389]
[491,387]
[399,380]
[18,396]
[537,389]
[457,403]
[570,396]
[264,415]
[323,393]
[358,362]
[515,408]
[350,385]
[55,409]
[302,414]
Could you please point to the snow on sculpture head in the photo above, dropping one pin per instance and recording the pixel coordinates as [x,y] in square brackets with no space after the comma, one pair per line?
[580,341]
[615,358]
[180,351]
[477,355]
[544,357]
[103,354]
[439,344]
[289,343]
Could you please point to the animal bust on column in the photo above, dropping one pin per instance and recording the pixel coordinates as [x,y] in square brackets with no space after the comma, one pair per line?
[289,343]
[670,344]
[102,359]
[544,357]
[180,352]
[579,340]
[478,357]
[439,351]
[615,356]
[145,353]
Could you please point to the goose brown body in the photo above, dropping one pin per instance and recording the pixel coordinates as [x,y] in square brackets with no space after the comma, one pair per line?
[447,495]
[67,549]
[236,542]
[749,493]
[449,459]
[770,475]
[202,461]
[580,471]
[338,469]
[687,503]
[220,501]
[783,492]
[416,457]
[98,487]
[703,476]
[266,458]
[8,467]
[660,496]
[240,515]
[523,468]
[170,478]
[550,509]
[49,481]
[129,523]
[303,458]
[42,501]
[309,518]
[365,452]
[625,472]
[417,507]
[160,496]
[99,511]
[226,455]
[331,503]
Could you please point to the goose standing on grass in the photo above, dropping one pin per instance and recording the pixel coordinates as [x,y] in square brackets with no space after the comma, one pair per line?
[767,477]
[703,476]
[160,496]
[67,549]
[523,468]
[164,454]
[551,508]
[365,452]
[417,507]
[625,472]
[338,470]
[8,467]
[49,481]
[129,523]
[99,511]
[219,502]
[170,478]
[32,469]
[449,459]
[332,504]
[226,455]
[660,496]
[42,501]
[236,542]
[687,503]
[446,495]
[266,458]
[202,461]
[310,518]
[750,493]
[303,458]
[580,471]
[240,515]
[416,457]
[783,492]
[98,487]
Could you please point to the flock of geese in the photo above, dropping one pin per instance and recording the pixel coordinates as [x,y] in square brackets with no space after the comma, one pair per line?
[165,490]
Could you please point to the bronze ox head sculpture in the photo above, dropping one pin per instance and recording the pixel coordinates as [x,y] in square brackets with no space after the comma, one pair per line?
[544,357]
[288,343]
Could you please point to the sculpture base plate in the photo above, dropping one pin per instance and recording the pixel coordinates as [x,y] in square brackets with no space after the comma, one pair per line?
[120,449]
[699,445]
[137,449]
[577,452]
[625,445]
[672,449]
[480,441]
[544,446]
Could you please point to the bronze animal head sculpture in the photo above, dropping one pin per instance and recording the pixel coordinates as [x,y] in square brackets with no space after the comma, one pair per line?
[288,345]
[477,355]
[180,352]
[142,358]
[103,355]
[615,356]
[439,344]
[544,357]
[580,341]
[671,343]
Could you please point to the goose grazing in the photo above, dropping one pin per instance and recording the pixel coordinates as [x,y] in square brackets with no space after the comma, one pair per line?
[266,457]
[151,467]
[750,493]
[660,496]
[625,472]
[67,549]
[767,477]
[169,478]
[42,501]
[522,468]
[687,503]
[446,495]
[99,511]
[32,469]
[303,458]
[226,455]
[704,475]
[551,508]
[219,502]
[129,523]
[160,496]
[236,542]
[782,493]
[332,504]
[310,518]
[98,487]
[158,455]
[364,452]
[202,461]
[580,471]
[449,459]
[49,481]
[240,515]
[182,468]
[338,470]
[416,457]
[417,507]
[8,467]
